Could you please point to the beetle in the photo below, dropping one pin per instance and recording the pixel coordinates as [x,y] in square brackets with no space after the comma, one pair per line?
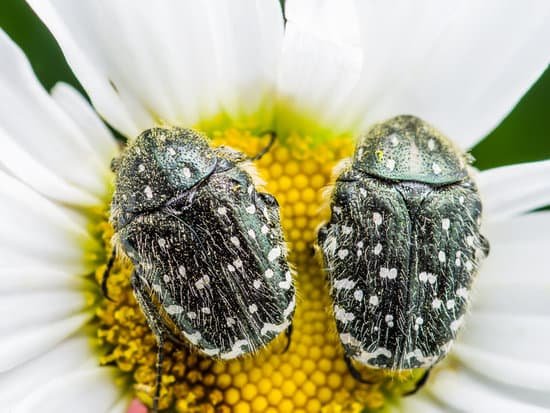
[209,256]
[402,246]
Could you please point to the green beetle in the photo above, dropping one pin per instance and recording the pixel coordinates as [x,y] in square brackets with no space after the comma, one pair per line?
[402,246]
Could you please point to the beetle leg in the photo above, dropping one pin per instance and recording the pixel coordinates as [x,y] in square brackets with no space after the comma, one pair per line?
[420,383]
[288,335]
[485,247]
[156,326]
[107,273]
[354,372]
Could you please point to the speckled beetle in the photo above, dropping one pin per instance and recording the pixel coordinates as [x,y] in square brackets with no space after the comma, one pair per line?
[210,266]
[402,246]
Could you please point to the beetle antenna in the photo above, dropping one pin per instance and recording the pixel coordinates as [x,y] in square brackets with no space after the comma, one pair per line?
[354,372]
[107,273]
[420,383]
[272,138]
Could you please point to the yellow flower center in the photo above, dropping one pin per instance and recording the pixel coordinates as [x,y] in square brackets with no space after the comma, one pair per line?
[311,376]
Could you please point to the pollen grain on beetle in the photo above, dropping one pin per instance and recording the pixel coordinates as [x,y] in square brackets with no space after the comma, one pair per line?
[311,376]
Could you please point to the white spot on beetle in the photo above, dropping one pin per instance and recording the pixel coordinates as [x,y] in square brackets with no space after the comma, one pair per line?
[390,164]
[450,304]
[436,303]
[378,249]
[455,325]
[286,284]
[161,242]
[436,168]
[193,338]
[343,316]
[171,151]
[181,270]
[431,145]
[337,210]
[461,200]
[257,284]
[202,282]
[469,266]
[251,209]
[445,224]
[148,192]
[274,254]
[141,168]
[346,230]
[174,309]
[441,256]
[251,234]
[344,284]
[418,322]
[222,210]
[470,240]
[427,277]
[230,321]
[264,229]
[186,172]
[389,320]
[191,315]
[230,268]
[358,295]
[235,241]
[377,218]
[269,273]
[394,141]
[462,292]
[238,263]
[373,300]
[205,310]
[388,273]
[343,254]
[252,308]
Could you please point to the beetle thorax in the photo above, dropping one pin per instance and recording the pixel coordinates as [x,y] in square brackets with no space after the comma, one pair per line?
[406,148]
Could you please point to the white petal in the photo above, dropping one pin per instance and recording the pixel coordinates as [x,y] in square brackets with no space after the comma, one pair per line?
[461,66]
[24,278]
[35,230]
[83,115]
[515,189]
[33,309]
[63,359]
[463,392]
[41,143]
[321,61]
[519,252]
[520,338]
[511,315]
[419,403]
[92,390]
[168,62]
[526,374]
[121,406]
[22,345]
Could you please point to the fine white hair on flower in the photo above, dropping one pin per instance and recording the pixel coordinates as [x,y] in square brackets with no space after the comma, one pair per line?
[340,65]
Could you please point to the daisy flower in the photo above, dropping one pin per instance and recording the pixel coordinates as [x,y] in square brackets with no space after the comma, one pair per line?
[233,70]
